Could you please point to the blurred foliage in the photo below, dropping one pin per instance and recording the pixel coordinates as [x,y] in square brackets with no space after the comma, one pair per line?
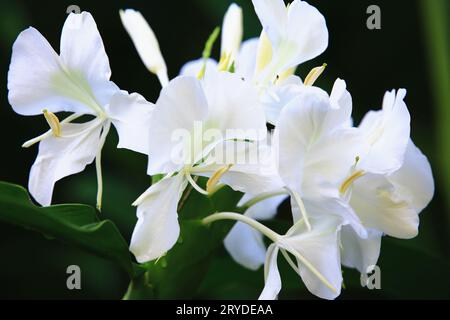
[411,51]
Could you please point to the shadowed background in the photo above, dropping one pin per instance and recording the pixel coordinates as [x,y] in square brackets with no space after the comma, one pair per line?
[410,51]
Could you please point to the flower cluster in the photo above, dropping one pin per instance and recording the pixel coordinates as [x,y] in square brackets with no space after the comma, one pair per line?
[348,185]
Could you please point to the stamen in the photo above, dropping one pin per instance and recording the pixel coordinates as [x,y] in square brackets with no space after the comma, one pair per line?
[348,182]
[53,122]
[98,165]
[302,208]
[224,62]
[314,74]
[45,135]
[194,184]
[211,185]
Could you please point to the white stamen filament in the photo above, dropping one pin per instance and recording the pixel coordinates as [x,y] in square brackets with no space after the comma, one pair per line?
[47,134]
[194,184]
[302,208]
[272,235]
[98,164]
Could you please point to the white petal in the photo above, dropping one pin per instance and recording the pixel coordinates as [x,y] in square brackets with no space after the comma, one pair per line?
[357,252]
[232,30]
[276,97]
[253,167]
[307,30]
[193,68]
[244,243]
[379,207]
[314,147]
[273,16]
[387,133]
[246,60]
[60,157]
[327,204]
[145,42]
[180,104]
[234,106]
[36,80]
[320,247]
[272,279]
[341,99]
[82,48]
[130,114]
[157,229]
[414,180]
[246,246]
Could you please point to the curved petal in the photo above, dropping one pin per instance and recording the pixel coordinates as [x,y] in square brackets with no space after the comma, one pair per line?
[272,278]
[341,99]
[181,104]
[320,247]
[62,156]
[82,48]
[193,68]
[246,246]
[307,31]
[379,207]
[157,229]
[130,114]
[387,133]
[414,180]
[37,81]
[145,42]
[273,17]
[357,252]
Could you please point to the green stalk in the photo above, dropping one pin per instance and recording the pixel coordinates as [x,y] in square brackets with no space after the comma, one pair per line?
[436,27]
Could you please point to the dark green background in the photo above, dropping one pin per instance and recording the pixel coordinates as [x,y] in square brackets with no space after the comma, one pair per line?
[409,51]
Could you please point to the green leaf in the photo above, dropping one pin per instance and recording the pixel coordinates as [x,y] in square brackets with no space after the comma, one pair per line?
[74,224]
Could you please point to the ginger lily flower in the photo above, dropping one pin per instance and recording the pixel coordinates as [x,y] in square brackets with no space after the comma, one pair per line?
[220,103]
[316,149]
[297,33]
[316,253]
[389,186]
[77,81]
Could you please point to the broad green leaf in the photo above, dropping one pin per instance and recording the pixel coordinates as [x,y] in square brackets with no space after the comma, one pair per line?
[74,224]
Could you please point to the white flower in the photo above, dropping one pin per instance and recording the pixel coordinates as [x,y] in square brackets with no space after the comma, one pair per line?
[145,42]
[221,102]
[317,257]
[297,33]
[77,81]
[317,148]
[316,254]
[389,186]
